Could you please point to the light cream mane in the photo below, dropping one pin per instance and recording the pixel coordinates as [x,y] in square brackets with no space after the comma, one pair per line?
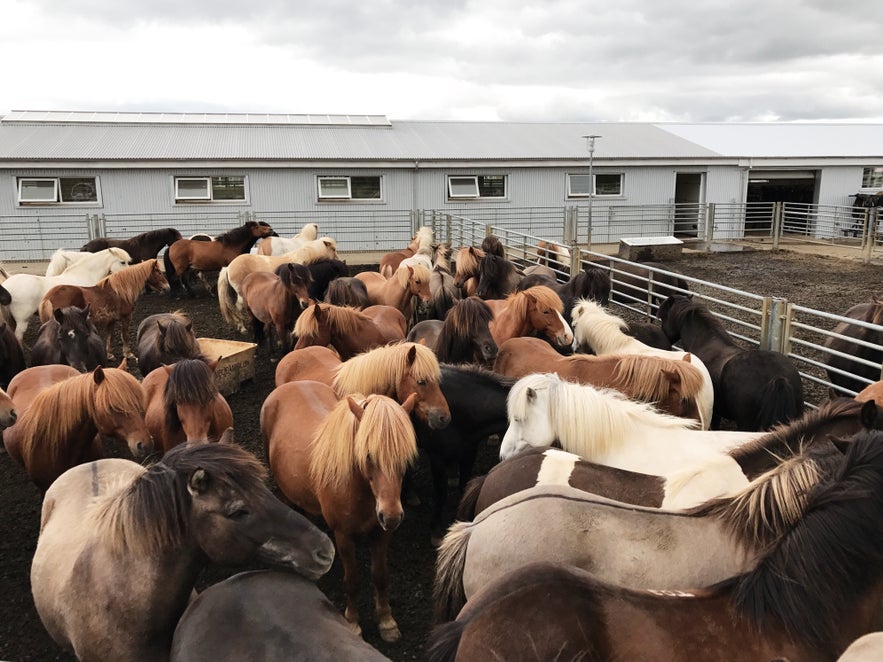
[343,320]
[467,261]
[129,282]
[649,379]
[417,272]
[309,232]
[380,370]
[595,327]
[313,251]
[342,444]
[424,239]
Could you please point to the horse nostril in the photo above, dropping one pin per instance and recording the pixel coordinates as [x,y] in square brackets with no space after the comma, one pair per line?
[13,416]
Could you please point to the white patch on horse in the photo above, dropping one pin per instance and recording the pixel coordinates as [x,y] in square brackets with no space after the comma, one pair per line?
[556,467]
[670,594]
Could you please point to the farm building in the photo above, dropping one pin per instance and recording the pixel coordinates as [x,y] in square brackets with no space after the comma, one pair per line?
[66,176]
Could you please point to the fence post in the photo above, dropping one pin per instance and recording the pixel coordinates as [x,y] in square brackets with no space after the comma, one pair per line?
[102,225]
[773,336]
[778,224]
[588,230]
[872,220]
[570,230]
[709,225]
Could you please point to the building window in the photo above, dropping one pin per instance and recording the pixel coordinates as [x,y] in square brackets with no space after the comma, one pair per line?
[606,184]
[209,189]
[476,187]
[57,190]
[873,178]
[349,188]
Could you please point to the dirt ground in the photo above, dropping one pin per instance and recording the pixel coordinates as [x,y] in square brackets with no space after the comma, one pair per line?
[825,283]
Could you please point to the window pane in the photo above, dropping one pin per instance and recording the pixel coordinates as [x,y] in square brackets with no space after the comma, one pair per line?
[873,177]
[463,187]
[192,189]
[492,186]
[334,187]
[579,186]
[38,190]
[81,189]
[365,188]
[608,184]
[228,188]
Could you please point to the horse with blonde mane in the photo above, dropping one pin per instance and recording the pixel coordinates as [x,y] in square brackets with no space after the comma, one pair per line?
[348,330]
[397,371]
[467,262]
[398,290]
[536,309]
[283,245]
[421,243]
[600,332]
[344,460]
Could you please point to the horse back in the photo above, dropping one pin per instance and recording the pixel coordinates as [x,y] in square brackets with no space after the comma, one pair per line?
[314,363]
[390,321]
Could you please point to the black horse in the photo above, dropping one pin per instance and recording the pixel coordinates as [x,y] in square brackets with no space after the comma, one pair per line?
[144,246]
[323,272]
[592,283]
[12,358]
[70,338]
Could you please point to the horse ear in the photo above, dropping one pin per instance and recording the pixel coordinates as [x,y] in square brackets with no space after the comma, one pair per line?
[227,437]
[832,393]
[198,482]
[409,404]
[189,325]
[328,243]
[98,375]
[168,368]
[87,310]
[868,414]
[840,444]
[687,358]
[123,364]
[58,315]
[531,395]
[161,326]
[412,355]
[213,363]
[690,296]
[358,411]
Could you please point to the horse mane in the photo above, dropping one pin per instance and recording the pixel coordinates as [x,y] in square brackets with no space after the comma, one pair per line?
[153,513]
[586,418]
[491,245]
[418,272]
[545,297]
[834,553]
[590,283]
[424,238]
[463,322]
[342,319]
[290,273]
[380,369]
[608,330]
[119,253]
[313,251]
[177,335]
[684,309]
[129,282]
[237,235]
[167,235]
[647,375]
[191,381]
[874,314]
[308,232]
[488,376]
[343,443]
[468,259]
[441,258]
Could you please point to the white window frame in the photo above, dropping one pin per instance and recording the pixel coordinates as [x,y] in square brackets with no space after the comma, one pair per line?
[189,198]
[476,191]
[348,197]
[56,192]
[877,171]
[209,197]
[595,194]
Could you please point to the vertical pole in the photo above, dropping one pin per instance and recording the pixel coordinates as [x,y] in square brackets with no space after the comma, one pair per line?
[709,225]
[590,144]
[778,224]
[775,324]
[572,214]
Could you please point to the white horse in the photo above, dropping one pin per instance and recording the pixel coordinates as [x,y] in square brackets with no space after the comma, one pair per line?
[283,245]
[62,259]
[606,427]
[28,290]
[603,333]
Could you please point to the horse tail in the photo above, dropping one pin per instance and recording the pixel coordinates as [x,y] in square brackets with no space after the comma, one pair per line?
[444,642]
[776,404]
[171,274]
[466,508]
[227,297]
[448,593]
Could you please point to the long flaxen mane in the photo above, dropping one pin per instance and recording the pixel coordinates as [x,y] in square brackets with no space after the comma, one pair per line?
[343,320]
[417,272]
[649,380]
[152,515]
[519,303]
[380,369]
[467,261]
[342,443]
[324,248]
[592,326]
[128,283]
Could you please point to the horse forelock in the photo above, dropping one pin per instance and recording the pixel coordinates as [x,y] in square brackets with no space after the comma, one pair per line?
[386,435]
[342,320]
[416,272]
[468,260]
[379,370]
[190,382]
[520,302]
[468,317]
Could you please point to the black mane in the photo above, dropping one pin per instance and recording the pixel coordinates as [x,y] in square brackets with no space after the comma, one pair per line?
[462,324]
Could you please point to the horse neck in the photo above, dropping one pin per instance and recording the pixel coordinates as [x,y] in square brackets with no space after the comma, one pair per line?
[506,325]
[702,332]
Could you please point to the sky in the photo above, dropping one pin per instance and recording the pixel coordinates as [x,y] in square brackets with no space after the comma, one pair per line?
[488,60]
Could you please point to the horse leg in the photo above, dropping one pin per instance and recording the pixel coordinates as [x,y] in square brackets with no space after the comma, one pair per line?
[125,322]
[389,629]
[346,549]
[439,470]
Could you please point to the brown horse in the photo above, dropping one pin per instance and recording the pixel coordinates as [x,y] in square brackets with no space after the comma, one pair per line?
[672,385]
[398,290]
[858,362]
[26,385]
[190,255]
[59,430]
[166,338]
[814,591]
[349,331]
[871,392]
[183,404]
[135,540]
[8,413]
[112,300]
[274,301]
[141,247]
[344,460]
[466,274]
[397,371]
[420,243]
[463,337]
[536,309]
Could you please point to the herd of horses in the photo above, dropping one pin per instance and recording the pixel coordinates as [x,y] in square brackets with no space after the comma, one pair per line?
[622,521]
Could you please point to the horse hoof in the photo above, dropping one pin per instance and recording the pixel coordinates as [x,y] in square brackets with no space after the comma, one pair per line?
[390,634]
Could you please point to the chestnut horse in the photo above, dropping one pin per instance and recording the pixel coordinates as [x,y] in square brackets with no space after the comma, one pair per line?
[60,427]
[397,291]
[420,243]
[814,591]
[8,413]
[466,272]
[344,460]
[536,309]
[135,540]
[274,301]
[112,300]
[186,255]
[141,247]
[349,331]
[672,385]
[183,404]
[166,338]
[397,371]
[12,356]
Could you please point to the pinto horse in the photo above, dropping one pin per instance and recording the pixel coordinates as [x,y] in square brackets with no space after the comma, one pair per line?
[60,428]
[801,601]
[673,386]
[537,309]
[188,255]
[183,404]
[398,290]
[755,388]
[344,460]
[274,301]
[135,540]
[855,365]
[112,300]
[166,338]
[141,247]
[349,331]
[69,337]
[282,245]
[463,337]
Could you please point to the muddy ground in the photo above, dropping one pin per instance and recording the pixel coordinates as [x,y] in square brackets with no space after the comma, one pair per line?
[825,283]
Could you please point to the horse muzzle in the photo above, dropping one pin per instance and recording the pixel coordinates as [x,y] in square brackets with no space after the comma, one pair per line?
[389,522]
[438,419]
[489,351]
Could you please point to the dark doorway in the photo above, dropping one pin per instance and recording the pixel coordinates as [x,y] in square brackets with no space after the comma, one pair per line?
[798,188]
[688,197]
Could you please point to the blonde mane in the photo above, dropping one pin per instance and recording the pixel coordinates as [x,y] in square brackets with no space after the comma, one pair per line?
[595,327]
[313,251]
[416,272]
[648,378]
[128,283]
[309,232]
[467,260]
[344,320]
[544,297]
[342,444]
[424,239]
[380,369]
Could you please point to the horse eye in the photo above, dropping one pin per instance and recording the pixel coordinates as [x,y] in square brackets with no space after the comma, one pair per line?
[238,514]
[421,382]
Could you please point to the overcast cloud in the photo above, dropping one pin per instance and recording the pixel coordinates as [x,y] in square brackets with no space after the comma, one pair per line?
[557,60]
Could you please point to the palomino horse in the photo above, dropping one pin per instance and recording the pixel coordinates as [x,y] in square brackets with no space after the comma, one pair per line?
[421,243]
[398,290]
[273,616]
[349,331]
[183,404]
[166,338]
[755,388]
[12,357]
[141,247]
[463,337]
[60,427]
[112,300]
[397,371]
[69,337]
[859,365]
[134,540]
[274,301]
[537,309]
[709,543]
[600,332]
[283,245]
[344,460]
[800,602]
[673,386]
[28,290]
[466,274]
[186,255]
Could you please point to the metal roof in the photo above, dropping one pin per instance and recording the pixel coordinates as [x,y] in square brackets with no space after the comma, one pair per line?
[144,137]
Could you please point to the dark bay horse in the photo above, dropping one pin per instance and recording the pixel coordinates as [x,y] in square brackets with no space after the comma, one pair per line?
[274,301]
[634,283]
[463,337]
[12,357]
[591,283]
[347,291]
[69,337]
[812,593]
[166,338]
[497,277]
[851,347]
[141,247]
[754,388]
[135,540]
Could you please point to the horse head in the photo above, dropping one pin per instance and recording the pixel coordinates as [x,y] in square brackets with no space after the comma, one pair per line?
[119,401]
[530,423]
[544,310]
[75,337]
